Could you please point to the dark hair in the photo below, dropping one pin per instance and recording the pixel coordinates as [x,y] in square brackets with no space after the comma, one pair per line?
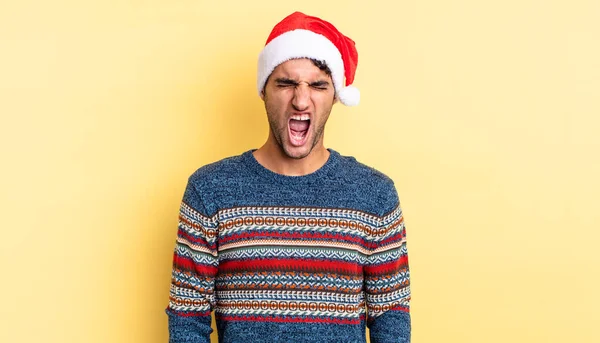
[321,65]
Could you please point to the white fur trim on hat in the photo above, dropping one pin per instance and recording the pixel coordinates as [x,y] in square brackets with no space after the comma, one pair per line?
[305,44]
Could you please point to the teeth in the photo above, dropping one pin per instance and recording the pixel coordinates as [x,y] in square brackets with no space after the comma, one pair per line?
[301,117]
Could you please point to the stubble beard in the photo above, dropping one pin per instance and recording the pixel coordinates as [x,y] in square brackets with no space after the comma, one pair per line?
[281,132]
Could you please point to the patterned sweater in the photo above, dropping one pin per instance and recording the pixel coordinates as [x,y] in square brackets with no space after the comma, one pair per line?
[312,258]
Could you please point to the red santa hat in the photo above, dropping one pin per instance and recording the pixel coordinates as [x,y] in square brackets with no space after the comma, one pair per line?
[302,36]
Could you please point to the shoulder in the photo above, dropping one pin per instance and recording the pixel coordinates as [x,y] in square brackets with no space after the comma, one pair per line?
[216,169]
[208,182]
[221,172]
[355,171]
[209,178]
[371,182]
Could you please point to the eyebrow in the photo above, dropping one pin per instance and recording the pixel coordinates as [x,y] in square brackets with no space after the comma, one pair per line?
[320,83]
[290,82]
[286,81]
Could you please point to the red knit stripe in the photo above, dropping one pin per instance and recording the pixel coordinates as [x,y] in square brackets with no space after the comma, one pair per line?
[187,263]
[387,268]
[402,308]
[290,264]
[294,235]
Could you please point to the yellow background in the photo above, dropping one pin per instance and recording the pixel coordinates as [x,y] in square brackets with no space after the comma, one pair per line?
[485,113]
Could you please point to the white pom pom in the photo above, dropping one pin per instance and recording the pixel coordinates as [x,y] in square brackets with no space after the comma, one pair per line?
[349,96]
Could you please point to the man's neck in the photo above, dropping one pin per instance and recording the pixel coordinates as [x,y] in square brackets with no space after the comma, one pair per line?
[274,159]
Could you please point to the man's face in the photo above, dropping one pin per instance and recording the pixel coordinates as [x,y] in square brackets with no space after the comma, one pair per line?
[298,98]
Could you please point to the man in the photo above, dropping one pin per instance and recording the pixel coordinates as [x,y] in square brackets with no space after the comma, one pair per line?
[293,242]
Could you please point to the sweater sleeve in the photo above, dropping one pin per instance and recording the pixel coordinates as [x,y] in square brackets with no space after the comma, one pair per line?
[195,263]
[387,281]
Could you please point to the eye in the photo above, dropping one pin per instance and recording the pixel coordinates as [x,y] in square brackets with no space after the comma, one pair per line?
[321,86]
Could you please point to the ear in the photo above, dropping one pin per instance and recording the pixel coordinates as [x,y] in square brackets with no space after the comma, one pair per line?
[262,94]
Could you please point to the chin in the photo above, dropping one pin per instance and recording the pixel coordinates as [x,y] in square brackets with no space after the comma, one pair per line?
[297,152]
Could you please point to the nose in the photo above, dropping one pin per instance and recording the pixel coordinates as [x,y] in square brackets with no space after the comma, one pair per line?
[301,100]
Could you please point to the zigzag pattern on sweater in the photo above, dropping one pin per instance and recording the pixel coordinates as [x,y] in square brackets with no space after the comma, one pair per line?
[291,295]
[290,280]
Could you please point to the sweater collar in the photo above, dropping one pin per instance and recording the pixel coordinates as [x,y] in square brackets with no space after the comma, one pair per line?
[317,176]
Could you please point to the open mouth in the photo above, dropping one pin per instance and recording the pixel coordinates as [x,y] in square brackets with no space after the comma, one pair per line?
[298,130]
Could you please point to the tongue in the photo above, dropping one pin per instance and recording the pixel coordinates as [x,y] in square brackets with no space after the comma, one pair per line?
[299,125]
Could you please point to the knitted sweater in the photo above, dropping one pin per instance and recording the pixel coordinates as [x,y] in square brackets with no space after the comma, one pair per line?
[312,258]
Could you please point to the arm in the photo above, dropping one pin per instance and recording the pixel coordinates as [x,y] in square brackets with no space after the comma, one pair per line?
[195,265]
[387,282]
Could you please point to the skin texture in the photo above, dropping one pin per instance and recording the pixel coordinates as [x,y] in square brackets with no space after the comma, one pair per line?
[296,87]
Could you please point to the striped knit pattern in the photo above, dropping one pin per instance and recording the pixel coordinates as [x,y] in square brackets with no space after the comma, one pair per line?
[297,266]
